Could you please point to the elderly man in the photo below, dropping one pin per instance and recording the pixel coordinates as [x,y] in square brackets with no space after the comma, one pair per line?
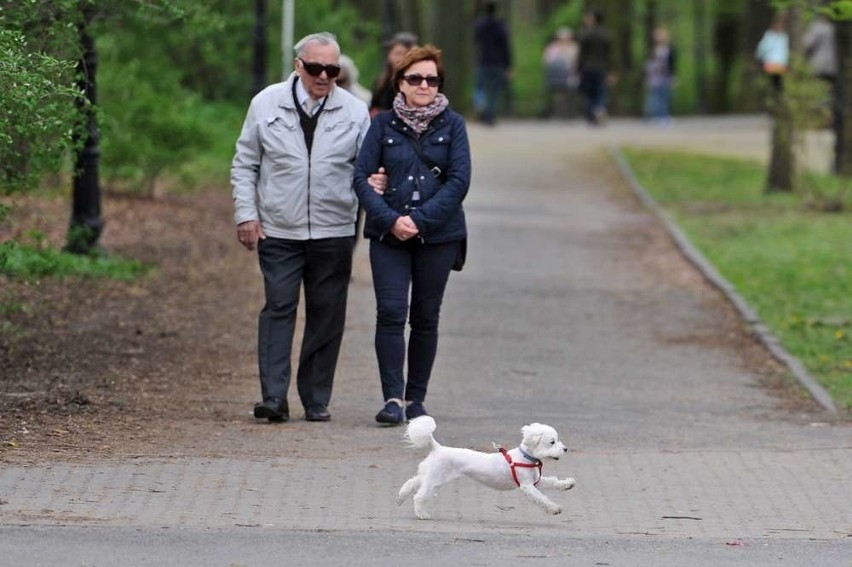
[294,203]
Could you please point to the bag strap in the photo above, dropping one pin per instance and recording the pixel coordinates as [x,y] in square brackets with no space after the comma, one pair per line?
[433,167]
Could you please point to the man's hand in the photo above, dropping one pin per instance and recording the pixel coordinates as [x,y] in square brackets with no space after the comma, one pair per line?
[249,232]
[379,181]
[404,228]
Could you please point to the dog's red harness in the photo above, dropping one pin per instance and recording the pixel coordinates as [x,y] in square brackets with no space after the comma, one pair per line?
[513,464]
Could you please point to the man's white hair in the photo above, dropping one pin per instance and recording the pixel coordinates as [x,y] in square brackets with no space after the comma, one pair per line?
[321,38]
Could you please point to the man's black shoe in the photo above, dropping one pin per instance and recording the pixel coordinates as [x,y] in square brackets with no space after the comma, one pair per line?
[317,413]
[273,409]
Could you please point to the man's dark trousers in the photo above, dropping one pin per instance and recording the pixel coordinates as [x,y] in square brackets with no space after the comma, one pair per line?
[324,266]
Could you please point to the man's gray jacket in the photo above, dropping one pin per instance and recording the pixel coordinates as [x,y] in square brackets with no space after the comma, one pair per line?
[295,195]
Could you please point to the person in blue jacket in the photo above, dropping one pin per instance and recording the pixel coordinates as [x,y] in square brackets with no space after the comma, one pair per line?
[416,226]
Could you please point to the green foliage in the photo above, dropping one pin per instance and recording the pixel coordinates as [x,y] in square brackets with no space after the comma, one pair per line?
[793,265]
[155,96]
[149,122]
[840,10]
[37,114]
[359,38]
[36,260]
[211,165]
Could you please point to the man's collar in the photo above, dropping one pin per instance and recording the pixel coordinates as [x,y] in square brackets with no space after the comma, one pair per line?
[302,93]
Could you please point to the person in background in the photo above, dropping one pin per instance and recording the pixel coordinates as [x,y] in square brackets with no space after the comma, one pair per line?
[773,51]
[294,204]
[416,227]
[594,63]
[494,61]
[659,77]
[348,79]
[560,73]
[820,47]
[384,91]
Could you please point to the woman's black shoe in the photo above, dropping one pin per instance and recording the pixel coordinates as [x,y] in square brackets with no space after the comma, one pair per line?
[391,414]
[415,409]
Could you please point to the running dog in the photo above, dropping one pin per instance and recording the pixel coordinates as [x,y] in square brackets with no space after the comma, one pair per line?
[516,468]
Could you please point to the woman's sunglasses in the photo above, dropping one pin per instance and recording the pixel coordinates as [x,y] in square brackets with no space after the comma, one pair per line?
[316,69]
[415,80]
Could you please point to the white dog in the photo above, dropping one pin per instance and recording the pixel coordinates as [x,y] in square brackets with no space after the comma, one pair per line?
[520,467]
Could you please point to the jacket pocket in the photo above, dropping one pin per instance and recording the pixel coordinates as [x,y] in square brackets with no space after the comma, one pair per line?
[280,140]
[437,148]
[339,140]
[393,149]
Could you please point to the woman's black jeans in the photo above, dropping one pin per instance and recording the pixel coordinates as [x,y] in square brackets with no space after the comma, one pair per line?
[425,269]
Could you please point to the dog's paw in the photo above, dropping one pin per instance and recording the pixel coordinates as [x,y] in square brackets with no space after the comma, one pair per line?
[399,500]
[567,484]
[421,515]
[555,510]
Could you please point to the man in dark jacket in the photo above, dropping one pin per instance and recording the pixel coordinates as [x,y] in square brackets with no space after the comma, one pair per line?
[594,63]
[494,61]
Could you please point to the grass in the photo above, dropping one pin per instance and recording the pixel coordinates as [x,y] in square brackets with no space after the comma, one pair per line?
[34,262]
[792,264]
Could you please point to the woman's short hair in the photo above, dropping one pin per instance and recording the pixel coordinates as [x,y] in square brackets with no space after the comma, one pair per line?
[416,55]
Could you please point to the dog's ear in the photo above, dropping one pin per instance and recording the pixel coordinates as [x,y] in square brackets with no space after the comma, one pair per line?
[531,434]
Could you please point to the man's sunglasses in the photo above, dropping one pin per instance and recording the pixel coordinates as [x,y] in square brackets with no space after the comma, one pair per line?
[415,80]
[316,69]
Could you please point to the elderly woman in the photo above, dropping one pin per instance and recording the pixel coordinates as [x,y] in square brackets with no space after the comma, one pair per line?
[416,226]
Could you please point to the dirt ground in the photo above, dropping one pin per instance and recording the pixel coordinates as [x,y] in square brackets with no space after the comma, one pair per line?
[104,367]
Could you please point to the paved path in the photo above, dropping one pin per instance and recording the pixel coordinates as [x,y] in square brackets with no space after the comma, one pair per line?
[574,310]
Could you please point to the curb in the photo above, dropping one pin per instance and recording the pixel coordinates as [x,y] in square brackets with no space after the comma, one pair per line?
[770,341]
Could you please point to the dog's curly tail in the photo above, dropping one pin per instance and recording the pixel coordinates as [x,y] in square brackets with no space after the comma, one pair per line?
[419,432]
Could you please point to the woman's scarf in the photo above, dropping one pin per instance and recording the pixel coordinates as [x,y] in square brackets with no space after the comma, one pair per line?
[419,117]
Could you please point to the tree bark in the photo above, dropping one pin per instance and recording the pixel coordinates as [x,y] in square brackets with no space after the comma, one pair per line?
[782,159]
[261,45]
[758,16]
[700,17]
[452,33]
[545,9]
[86,222]
[843,101]
[727,37]
[409,17]
[650,26]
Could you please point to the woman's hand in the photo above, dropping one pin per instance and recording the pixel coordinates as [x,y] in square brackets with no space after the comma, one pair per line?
[404,228]
[379,181]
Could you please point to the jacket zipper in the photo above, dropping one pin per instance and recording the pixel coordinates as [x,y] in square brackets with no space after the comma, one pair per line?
[309,195]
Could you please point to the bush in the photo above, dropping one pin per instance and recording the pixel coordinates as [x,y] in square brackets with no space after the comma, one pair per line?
[36,112]
[149,122]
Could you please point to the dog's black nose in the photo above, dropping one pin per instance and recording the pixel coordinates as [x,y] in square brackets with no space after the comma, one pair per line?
[564,449]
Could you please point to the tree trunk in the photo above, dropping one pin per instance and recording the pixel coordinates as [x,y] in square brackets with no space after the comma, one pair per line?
[758,16]
[781,161]
[727,37]
[409,17]
[700,18]
[545,9]
[261,46]
[452,33]
[618,19]
[843,101]
[650,26]
[368,9]
[86,222]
